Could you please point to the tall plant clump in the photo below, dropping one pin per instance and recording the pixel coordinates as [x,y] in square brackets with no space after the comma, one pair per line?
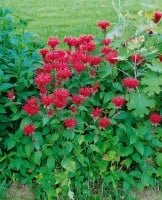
[95,121]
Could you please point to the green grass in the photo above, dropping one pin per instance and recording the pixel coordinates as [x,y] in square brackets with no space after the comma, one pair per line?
[68,17]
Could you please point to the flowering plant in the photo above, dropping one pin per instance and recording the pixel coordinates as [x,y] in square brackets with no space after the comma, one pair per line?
[96,117]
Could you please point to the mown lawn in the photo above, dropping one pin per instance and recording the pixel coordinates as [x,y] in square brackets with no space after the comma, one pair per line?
[69,17]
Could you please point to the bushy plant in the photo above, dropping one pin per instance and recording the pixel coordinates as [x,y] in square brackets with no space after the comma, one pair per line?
[95,123]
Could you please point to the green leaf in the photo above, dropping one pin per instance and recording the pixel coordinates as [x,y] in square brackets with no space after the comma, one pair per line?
[69,165]
[140,147]
[2,109]
[50,162]
[125,151]
[5,86]
[37,157]
[156,66]
[159,160]
[140,104]
[111,155]
[122,115]
[153,83]
[28,149]
[105,71]
[94,148]
[45,120]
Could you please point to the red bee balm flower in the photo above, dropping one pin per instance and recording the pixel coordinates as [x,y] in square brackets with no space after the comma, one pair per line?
[77,99]
[157,17]
[103,122]
[137,59]
[29,129]
[130,83]
[53,42]
[160,57]
[42,79]
[11,95]
[106,41]
[96,112]
[31,107]
[70,123]
[155,119]
[86,91]
[112,57]
[118,101]
[103,25]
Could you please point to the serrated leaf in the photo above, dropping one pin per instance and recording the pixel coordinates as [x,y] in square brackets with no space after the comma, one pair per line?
[69,165]
[140,104]
[153,84]
[5,86]
[37,157]
[28,149]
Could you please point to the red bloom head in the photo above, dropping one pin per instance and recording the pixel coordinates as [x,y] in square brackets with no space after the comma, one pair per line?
[61,94]
[160,57]
[29,129]
[130,83]
[118,101]
[155,119]
[43,52]
[79,67]
[11,95]
[73,110]
[94,60]
[103,25]
[42,79]
[53,42]
[47,100]
[103,122]
[137,59]
[106,41]
[96,112]
[112,57]
[70,123]
[77,99]
[157,17]
[50,112]
[86,91]
[31,107]
[63,74]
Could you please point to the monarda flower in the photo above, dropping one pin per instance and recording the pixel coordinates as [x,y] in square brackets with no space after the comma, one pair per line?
[88,47]
[70,123]
[103,25]
[103,122]
[78,67]
[11,95]
[160,57]
[43,52]
[155,119]
[106,41]
[86,38]
[63,74]
[112,57]
[29,129]
[157,17]
[94,61]
[53,42]
[77,99]
[118,101]
[85,91]
[137,59]
[60,104]
[73,110]
[106,50]
[47,100]
[130,83]
[61,94]
[96,112]
[42,79]
[31,106]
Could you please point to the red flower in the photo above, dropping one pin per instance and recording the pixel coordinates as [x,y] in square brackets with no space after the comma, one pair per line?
[60,104]
[118,101]
[157,17]
[103,25]
[29,129]
[88,47]
[50,112]
[106,42]
[92,73]
[47,100]
[103,122]
[53,42]
[42,79]
[43,52]
[61,94]
[86,38]
[73,110]
[63,74]
[137,59]
[94,61]
[31,107]
[11,95]
[112,57]
[130,83]
[155,119]
[96,112]
[86,91]
[70,123]
[160,57]
[79,67]
[106,50]
[77,99]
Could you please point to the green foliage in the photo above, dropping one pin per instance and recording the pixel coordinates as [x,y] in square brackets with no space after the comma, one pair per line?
[59,161]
